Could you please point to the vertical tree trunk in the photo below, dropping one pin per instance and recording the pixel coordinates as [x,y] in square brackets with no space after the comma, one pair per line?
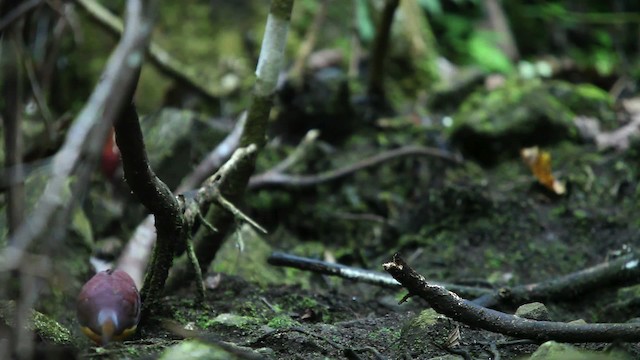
[12,121]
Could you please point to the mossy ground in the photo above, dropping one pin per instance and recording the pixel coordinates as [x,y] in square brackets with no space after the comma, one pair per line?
[494,226]
[483,222]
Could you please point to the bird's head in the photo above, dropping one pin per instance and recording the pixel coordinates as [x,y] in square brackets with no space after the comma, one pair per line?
[108,307]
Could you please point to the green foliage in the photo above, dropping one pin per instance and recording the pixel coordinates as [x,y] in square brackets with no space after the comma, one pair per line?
[462,42]
[366,27]
[484,52]
[282,321]
[600,53]
[495,124]
[456,29]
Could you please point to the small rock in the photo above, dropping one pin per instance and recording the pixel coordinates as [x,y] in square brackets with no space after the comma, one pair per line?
[552,350]
[447,357]
[421,332]
[533,311]
[250,249]
[194,349]
[233,320]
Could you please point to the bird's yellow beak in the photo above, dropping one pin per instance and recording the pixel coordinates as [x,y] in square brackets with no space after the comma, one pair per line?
[108,322]
[108,328]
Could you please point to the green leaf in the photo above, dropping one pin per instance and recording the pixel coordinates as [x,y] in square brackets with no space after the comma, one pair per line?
[483,49]
[605,61]
[552,11]
[364,22]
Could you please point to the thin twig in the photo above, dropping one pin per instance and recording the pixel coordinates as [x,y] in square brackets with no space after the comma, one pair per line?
[211,191]
[198,272]
[298,330]
[270,178]
[493,350]
[48,65]
[206,223]
[215,158]
[298,153]
[17,13]
[220,176]
[449,304]
[367,276]
[12,90]
[268,304]
[38,95]
[310,40]
[237,212]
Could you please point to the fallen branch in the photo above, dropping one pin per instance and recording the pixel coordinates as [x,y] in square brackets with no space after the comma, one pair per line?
[276,178]
[623,270]
[451,305]
[366,276]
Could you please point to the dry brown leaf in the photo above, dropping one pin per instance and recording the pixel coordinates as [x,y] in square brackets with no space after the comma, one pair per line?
[539,162]
[453,339]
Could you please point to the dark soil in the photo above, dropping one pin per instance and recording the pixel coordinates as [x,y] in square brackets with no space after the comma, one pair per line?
[486,227]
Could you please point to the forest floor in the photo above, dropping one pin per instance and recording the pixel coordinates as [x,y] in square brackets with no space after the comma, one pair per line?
[487,227]
[485,222]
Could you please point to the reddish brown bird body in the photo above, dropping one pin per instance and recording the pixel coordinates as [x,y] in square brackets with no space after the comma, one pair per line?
[108,307]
